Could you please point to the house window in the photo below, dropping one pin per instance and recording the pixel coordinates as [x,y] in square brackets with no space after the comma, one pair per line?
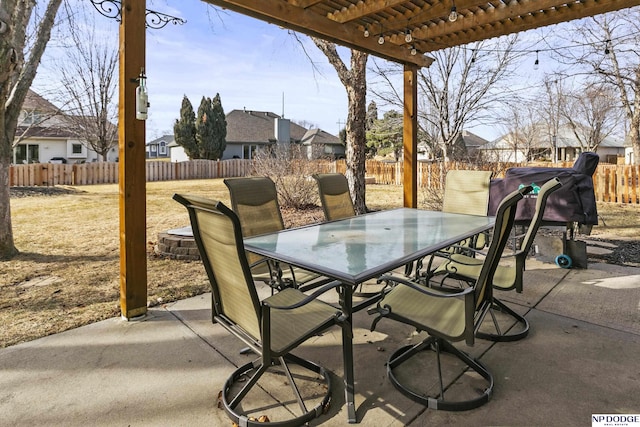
[162,149]
[27,153]
[31,118]
[248,151]
[153,148]
[76,148]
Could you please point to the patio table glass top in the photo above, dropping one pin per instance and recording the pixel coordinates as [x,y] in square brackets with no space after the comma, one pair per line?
[356,249]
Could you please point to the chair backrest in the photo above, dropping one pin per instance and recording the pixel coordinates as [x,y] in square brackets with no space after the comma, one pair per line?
[505,217]
[541,202]
[255,201]
[335,197]
[217,233]
[467,192]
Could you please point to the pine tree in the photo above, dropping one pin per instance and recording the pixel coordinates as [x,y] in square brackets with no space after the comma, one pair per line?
[219,128]
[184,129]
[205,128]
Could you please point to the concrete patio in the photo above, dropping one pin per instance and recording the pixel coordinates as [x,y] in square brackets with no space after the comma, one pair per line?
[580,358]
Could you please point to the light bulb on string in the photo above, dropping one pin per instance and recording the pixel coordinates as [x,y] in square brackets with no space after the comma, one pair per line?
[381,39]
[366,32]
[413,51]
[453,14]
[407,36]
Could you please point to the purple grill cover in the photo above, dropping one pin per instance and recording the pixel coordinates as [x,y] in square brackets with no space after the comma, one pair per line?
[575,201]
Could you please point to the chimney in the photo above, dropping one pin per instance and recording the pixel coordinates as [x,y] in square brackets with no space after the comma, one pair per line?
[282,130]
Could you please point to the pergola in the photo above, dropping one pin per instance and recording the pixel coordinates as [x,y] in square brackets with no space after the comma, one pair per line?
[402,31]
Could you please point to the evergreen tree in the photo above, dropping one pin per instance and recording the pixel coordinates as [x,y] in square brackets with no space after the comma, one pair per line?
[219,120]
[372,115]
[184,129]
[205,129]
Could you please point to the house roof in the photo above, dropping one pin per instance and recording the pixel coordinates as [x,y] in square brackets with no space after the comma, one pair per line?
[318,136]
[471,140]
[33,101]
[564,139]
[168,139]
[257,127]
[44,132]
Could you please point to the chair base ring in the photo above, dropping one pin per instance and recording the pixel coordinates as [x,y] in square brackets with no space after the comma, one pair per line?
[506,337]
[244,420]
[403,354]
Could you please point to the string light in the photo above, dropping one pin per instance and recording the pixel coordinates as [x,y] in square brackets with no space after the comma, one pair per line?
[413,50]
[381,39]
[407,36]
[366,32]
[453,15]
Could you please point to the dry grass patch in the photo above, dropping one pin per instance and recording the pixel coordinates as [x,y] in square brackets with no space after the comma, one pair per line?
[67,272]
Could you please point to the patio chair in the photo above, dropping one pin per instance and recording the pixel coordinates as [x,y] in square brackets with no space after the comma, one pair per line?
[335,197]
[447,316]
[255,201]
[465,192]
[271,327]
[507,276]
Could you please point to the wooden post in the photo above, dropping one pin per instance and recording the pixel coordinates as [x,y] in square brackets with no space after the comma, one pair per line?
[410,137]
[131,137]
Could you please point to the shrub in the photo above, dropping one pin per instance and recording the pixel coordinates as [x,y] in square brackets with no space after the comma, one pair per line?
[290,169]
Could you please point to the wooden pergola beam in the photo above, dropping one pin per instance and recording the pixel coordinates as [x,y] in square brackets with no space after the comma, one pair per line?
[132,179]
[410,138]
[282,13]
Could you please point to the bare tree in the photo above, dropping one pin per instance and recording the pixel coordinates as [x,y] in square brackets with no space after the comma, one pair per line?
[88,75]
[525,133]
[20,56]
[355,83]
[609,55]
[593,114]
[463,85]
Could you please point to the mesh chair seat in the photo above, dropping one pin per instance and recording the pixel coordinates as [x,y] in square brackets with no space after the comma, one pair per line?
[504,278]
[272,327]
[447,315]
[444,314]
[294,325]
[507,276]
[465,192]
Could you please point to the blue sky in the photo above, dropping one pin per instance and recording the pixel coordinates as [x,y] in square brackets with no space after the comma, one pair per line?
[252,65]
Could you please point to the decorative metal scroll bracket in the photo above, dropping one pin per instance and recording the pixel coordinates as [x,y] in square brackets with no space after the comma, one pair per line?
[153,19]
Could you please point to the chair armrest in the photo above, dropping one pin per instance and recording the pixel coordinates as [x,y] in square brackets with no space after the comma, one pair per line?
[423,289]
[307,299]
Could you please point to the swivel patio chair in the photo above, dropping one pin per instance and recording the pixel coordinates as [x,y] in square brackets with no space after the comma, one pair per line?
[447,316]
[255,201]
[335,197]
[271,327]
[465,192]
[507,276]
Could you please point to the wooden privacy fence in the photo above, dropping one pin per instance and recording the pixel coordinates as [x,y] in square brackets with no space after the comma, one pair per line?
[612,183]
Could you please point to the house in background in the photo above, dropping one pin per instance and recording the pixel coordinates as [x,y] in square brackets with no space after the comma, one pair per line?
[320,144]
[45,134]
[471,142]
[158,149]
[566,145]
[249,131]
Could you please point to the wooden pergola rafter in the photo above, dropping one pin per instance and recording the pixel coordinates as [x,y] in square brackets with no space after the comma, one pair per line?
[342,22]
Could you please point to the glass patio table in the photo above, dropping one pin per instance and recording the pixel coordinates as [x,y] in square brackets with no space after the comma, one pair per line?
[357,249]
